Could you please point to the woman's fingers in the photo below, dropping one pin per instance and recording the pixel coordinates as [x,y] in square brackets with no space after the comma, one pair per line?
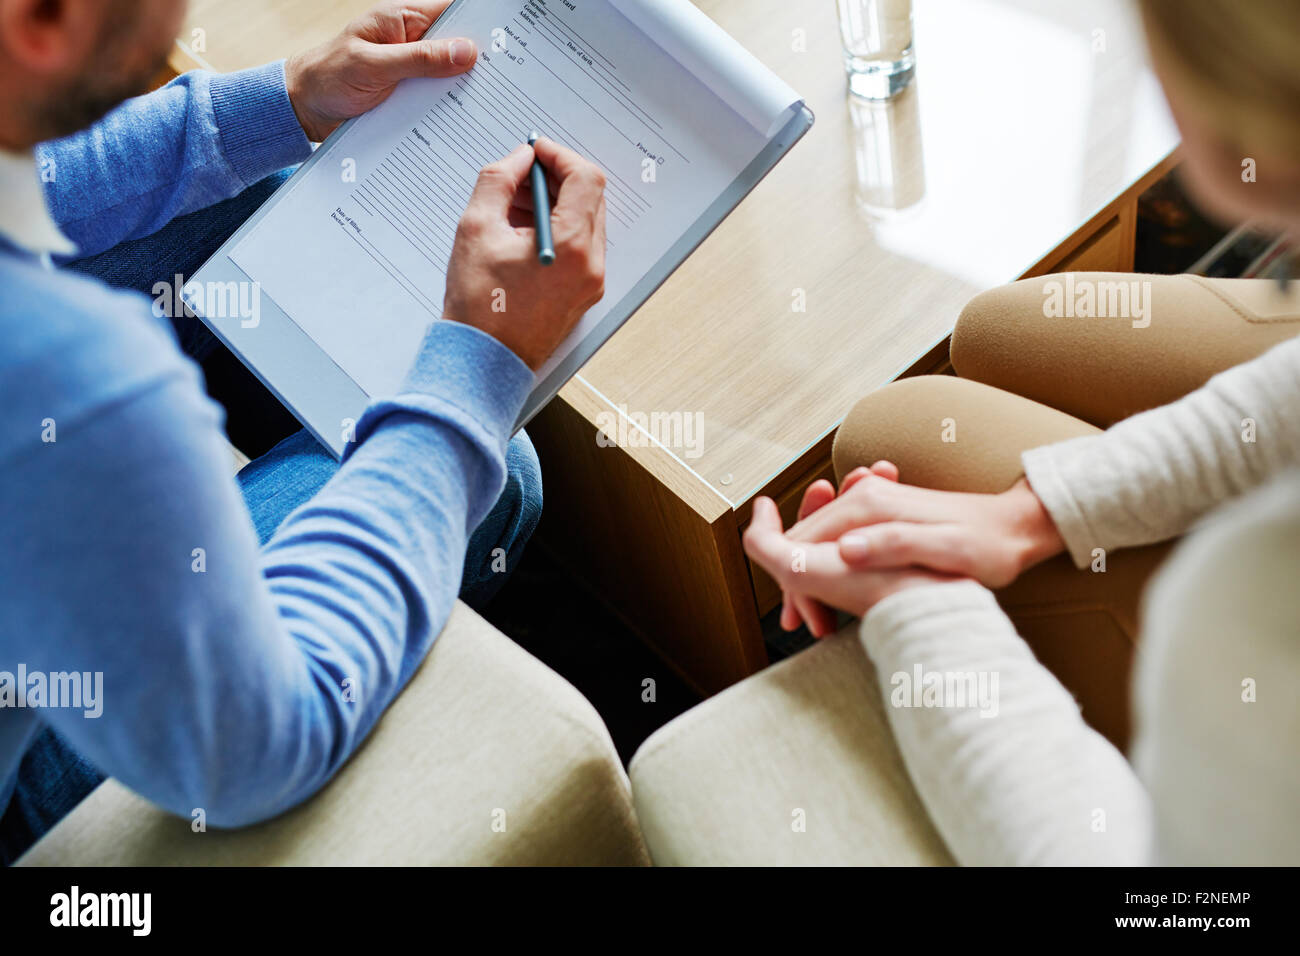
[791,617]
[836,514]
[764,539]
[766,544]
[881,469]
[853,477]
[897,544]
[820,619]
[866,501]
[875,499]
[885,469]
[817,616]
[799,565]
[785,560]
[817,495]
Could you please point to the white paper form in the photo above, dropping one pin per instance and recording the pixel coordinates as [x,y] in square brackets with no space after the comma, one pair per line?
[356,251]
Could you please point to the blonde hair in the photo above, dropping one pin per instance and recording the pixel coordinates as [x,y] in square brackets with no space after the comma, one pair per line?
[1237,62]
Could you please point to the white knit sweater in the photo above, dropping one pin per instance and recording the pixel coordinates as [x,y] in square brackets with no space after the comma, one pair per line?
[1217,736]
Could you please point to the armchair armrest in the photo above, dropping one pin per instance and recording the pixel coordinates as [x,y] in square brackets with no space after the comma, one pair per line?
[487,757]
[794,766]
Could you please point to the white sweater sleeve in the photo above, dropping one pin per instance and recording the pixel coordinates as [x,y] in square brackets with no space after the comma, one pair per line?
[1150,477]
[996,747]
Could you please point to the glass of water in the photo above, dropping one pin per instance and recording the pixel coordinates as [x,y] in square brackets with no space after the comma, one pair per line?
[878,54]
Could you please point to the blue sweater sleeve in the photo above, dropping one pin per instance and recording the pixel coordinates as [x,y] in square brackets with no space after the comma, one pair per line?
[200,139]
[239,680]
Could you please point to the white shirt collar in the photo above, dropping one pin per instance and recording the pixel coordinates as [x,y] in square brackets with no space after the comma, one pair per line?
[24,218]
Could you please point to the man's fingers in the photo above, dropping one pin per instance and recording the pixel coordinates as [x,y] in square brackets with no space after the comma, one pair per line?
[521,219]
[494,193]
[561,161]
[524,199]
[403,61]
[598,240]
[581,185]
[900,545]
[417,15]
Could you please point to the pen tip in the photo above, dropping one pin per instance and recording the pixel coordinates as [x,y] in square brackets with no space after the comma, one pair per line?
[533,138]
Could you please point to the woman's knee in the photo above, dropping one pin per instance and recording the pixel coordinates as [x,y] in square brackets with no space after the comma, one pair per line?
[948,433]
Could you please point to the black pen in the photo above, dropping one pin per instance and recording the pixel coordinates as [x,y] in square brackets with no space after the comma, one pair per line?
[541,210]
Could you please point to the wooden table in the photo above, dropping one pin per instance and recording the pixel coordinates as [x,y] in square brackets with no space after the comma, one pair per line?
[1021,148]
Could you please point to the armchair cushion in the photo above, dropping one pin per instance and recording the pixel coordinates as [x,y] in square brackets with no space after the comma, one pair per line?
[487,757]
[793,766]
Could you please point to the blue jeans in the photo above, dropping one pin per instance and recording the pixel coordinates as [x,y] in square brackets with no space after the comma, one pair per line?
[53,778]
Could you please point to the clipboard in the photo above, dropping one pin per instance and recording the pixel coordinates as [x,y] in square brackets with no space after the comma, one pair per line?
[322,396]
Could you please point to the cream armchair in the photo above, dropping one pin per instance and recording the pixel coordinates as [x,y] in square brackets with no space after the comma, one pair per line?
[793,766]
[487,757]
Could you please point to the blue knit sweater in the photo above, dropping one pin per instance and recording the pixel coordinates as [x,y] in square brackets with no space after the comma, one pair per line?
[239,683]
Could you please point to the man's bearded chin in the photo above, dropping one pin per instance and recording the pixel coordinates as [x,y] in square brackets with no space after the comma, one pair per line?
[92,95]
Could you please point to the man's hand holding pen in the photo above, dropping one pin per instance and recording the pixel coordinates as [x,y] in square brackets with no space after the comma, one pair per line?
[496,280]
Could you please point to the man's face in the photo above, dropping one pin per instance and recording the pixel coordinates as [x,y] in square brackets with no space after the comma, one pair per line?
[125,45]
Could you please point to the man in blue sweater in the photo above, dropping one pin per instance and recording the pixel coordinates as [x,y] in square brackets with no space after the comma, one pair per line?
[224,646]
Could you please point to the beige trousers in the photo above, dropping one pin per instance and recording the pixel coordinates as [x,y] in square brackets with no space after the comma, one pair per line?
[1021,383]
